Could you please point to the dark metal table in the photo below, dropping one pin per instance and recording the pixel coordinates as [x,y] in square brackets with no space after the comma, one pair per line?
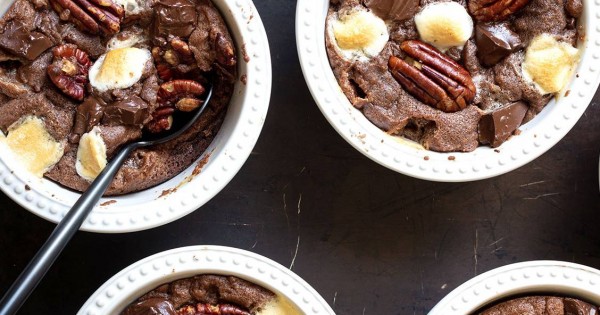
[369,240]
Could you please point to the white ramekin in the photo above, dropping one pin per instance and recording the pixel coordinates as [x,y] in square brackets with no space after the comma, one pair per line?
[535,277]
[143,276]
[410,158]
[186,192]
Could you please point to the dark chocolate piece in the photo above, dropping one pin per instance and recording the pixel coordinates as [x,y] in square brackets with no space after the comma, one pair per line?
[89,114]
[497,126]
[397,10]
[20,42]
[131,111]
[494,42]
[578,307]
[175,17]
[574,8]
[152,306]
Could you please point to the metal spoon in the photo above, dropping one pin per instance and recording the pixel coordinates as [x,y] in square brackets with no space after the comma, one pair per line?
[68,226]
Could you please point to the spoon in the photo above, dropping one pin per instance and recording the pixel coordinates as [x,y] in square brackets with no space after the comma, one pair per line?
[68,226]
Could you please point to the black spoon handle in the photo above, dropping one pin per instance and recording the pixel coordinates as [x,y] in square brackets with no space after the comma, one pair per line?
[62,234]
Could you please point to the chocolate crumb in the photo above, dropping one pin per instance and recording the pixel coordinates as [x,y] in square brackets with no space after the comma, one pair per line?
[451,158]
[167,192]
[426,158]
[108,203]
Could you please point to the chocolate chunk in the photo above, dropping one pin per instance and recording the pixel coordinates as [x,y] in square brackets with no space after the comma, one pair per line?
[494,42]
[131,111]
[19,41]
[151,306]
[574,7]
[577,307]
[175,17]
[89,114]
[497,126]
[397,10]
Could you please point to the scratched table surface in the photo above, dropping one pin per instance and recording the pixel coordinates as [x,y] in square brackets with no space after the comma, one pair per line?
[369,240]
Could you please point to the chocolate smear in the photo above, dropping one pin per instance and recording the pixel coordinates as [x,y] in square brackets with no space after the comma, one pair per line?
[497,126]
[20,42]
[89,114]
[396,10]
[494,42]
[175,17]
[131,111]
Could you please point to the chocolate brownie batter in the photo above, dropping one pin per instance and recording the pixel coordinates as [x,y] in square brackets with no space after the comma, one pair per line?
[541,305]
[202,291]
[493,56]
[33,29]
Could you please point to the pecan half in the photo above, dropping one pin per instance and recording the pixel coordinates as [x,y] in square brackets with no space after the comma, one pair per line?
[209,309]
[69,70]
[174,59]
[225,51]
[183,95]
[439,81]
[495,10]
[172,92]
[94,16]
[162,119]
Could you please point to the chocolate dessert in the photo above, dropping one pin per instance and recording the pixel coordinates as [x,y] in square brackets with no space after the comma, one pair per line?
[541,305]
[79,79]
[210,294]
[452,75]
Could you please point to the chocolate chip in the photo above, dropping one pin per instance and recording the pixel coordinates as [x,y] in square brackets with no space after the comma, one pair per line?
[175,17]
[393,9]
[23,43]
[131,111]
[497,126]
[494,42]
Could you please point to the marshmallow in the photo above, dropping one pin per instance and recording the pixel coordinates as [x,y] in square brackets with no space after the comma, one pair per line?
[132,7]
[360,34]
[444,25]
[91,155]
[549,63]
[32,145]
[119,68]
[130,40]
[278,306]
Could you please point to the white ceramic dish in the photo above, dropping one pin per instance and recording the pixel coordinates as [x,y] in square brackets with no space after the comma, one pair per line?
[228,152]
[535,277]
[147,274]
[410,158]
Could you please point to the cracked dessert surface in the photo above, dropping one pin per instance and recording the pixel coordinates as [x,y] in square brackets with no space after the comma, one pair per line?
[185,42]
[541,305]
[370,86]
[210,294]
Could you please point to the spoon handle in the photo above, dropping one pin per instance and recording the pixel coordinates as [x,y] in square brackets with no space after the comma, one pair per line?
[31,276]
